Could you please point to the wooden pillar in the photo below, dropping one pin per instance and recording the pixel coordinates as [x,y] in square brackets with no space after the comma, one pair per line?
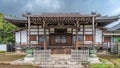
[44,26]
[27,35]
[29,31]
[102,38]
[72,36]
[38,33]
[49,37]
[93,31]
[76,38]
[77,35]
[20,37]
[83,33]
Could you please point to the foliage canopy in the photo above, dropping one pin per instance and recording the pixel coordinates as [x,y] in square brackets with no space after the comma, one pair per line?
[6,28]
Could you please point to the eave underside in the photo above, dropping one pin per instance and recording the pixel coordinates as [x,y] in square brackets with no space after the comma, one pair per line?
[65,20]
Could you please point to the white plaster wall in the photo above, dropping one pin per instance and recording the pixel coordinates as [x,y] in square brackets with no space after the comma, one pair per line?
[24,37]
[98,35]
[17,37]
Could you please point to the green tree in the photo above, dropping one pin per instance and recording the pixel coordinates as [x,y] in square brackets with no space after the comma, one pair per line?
[118,39]
[6,28]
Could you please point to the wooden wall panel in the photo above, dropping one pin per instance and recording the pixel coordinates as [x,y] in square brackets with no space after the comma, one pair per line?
[33,38]
[52,40]
[107,39]
[69,40]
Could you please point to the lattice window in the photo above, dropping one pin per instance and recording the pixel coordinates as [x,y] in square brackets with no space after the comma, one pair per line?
[33,38]
[80,38]
[88,37]
[107,39]
[41,39]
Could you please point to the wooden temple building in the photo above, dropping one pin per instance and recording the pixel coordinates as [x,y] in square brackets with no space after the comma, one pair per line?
[60,31]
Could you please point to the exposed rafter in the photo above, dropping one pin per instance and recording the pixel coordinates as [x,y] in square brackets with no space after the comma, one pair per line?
[65,18]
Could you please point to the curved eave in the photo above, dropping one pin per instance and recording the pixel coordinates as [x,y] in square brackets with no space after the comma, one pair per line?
[103,21]
[62,18]
[19,23]
[61,15]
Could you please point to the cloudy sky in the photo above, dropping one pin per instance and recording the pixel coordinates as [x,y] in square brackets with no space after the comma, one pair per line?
[18,7]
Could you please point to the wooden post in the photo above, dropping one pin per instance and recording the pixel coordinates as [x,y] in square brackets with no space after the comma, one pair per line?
[38,33]
[93,31]
[77,39]
[20,38]
[83,33]
[45,46]
[29,31]
[102,38]
[77,35]
[27,35]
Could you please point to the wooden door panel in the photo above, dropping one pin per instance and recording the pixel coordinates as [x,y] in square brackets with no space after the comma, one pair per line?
[69,39]
[52,40]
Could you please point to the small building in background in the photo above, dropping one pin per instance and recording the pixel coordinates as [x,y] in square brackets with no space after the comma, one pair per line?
[3,47]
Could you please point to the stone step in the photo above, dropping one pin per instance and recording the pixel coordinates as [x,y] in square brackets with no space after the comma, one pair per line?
[61,66]
[61,51]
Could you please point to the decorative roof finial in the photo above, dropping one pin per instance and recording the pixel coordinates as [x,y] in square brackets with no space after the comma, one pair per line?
[28,13]
[93,13]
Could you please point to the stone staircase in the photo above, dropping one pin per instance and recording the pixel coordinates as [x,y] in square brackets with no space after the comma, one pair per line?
[62,61]
[61,51]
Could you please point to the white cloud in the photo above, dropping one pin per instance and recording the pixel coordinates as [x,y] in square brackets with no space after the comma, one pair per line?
[47,5]
[113,1]
[115,11]
[29,6]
